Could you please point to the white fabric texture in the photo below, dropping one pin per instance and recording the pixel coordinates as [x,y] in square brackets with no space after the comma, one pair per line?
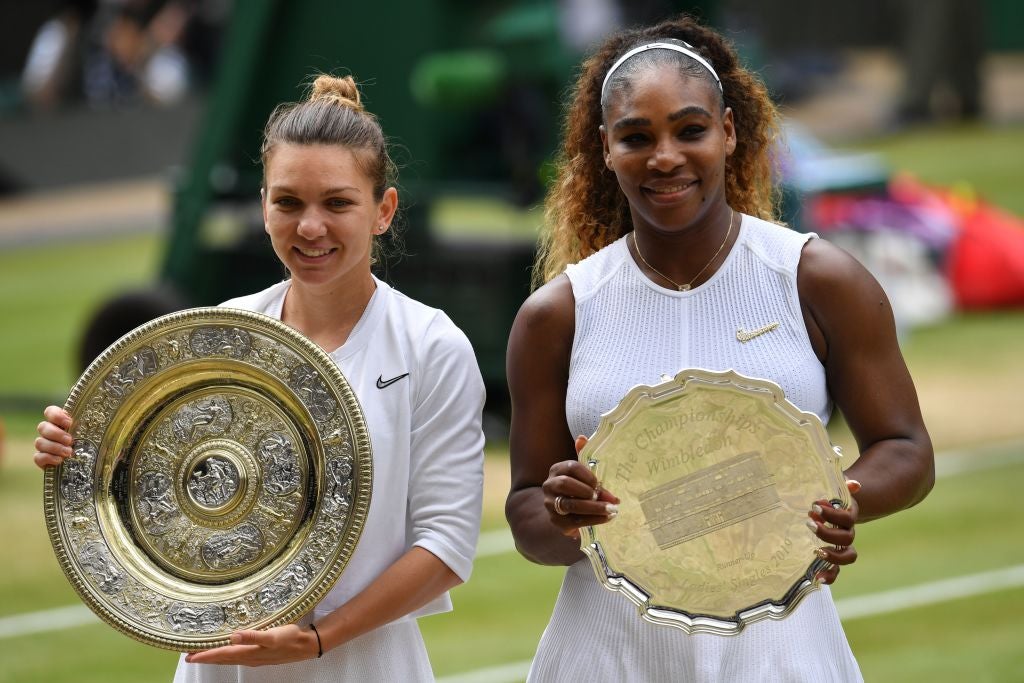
[370,658]
[631,331]
[425,433]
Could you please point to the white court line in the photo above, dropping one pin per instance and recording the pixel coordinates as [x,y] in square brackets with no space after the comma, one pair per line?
[500,541]
[46,620]
[953,463]
[503,673]
[497,542]
[849,609]
[930,593]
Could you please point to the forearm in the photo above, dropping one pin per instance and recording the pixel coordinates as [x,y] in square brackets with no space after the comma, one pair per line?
[894,474]
[537,539]
[416,578]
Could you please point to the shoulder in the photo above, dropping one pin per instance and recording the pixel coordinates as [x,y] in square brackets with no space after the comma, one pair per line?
[542,333]
[827,272]
[775,245]
[589,274]
[842,299]
[259,302]
[424,327]
[549,309]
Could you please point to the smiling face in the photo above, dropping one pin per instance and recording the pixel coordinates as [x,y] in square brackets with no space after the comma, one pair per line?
[321,215]
[666,139]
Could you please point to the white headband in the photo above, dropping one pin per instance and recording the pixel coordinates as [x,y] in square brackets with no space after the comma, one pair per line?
[688,51]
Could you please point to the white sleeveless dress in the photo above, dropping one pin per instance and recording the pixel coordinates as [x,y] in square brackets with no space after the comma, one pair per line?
[630,331]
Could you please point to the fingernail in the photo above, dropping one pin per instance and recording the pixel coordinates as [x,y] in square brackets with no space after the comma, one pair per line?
[611,509]
[820,552]
[816,509]
[852,485]
[812,525]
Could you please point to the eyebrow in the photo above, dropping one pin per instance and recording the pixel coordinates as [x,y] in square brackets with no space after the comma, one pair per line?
[634,121]
[687,111]
[329,191]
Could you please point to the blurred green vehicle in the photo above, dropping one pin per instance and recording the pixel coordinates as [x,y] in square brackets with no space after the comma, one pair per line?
[468,94]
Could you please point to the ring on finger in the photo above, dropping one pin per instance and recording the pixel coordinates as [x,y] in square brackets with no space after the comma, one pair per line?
[559,508]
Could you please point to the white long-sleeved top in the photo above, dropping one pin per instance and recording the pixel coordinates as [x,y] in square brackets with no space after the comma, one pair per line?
[425,433]
[630,331]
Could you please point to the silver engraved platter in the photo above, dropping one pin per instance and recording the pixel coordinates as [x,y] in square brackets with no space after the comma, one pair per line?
[716,473]
[220,479]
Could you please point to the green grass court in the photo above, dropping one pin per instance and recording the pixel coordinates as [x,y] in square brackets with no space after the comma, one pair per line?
[968,371]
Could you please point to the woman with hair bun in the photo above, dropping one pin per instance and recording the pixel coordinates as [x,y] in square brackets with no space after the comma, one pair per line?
[327,199]
[660,252]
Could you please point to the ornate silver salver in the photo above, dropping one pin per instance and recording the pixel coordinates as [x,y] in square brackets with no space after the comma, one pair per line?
[220,480]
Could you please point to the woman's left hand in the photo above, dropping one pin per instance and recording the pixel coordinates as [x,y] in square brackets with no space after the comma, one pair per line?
[278,645]
[836,527]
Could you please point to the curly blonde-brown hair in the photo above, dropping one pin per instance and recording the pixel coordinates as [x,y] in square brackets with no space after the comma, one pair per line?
[585,210]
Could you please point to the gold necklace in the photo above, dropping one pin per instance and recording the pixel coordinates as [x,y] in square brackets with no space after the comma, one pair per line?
[686,287]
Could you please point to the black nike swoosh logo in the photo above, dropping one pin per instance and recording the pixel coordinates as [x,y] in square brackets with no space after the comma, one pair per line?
[383,383]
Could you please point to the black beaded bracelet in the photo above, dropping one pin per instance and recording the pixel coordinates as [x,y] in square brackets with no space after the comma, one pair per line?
[319,647]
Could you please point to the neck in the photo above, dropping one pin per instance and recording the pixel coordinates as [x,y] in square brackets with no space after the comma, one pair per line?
[686,256]
[327,316]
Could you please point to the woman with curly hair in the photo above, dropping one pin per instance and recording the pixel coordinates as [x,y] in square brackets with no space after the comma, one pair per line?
[661,249]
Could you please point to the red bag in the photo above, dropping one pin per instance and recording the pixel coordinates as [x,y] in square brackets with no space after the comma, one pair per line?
[985,263]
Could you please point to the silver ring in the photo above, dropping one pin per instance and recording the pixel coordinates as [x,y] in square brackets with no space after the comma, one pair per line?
[558,506]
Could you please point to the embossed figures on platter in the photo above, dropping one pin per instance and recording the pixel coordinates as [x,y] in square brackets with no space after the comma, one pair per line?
[221,341]
[307,384]
[213,482]
[155,505]
[123,378]
[233,548]
[194,466]
[281,467]
[202,418]
[76,478]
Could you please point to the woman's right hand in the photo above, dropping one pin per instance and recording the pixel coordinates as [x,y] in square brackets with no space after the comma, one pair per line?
[54,442]
[575,498]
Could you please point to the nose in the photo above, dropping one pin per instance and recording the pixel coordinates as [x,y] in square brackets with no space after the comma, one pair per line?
[667,156]
[311,225]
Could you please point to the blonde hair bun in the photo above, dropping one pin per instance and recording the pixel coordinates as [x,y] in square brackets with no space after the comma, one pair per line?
[343,91]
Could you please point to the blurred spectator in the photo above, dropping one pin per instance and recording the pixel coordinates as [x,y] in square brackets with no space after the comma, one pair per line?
[53,54]
[113,52]
[944,46]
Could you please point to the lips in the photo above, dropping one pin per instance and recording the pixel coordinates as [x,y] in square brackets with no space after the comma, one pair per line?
[668,191]
[313,253]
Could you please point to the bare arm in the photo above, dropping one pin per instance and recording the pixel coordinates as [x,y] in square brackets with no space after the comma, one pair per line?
[851,326]
[543,453]
[416,578]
